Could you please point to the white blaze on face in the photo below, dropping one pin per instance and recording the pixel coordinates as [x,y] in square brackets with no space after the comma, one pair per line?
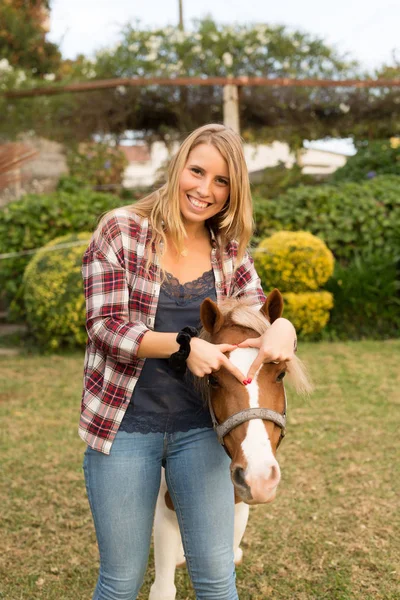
[256,446]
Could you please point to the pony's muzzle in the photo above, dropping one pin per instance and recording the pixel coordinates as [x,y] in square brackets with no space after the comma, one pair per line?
[256,489]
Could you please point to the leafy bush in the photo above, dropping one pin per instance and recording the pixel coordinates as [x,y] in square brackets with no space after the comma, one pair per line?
[308,311]
[293,261]
[298,263]
[53,294]
[97,164]
[372,159]
[70,185]
[367,299]
[351,218]
[273,181]
[33,221]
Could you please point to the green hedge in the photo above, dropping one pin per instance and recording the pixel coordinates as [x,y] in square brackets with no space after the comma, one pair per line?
[273,181]
[33,221]
[366,299]
[380,157]
[351,218]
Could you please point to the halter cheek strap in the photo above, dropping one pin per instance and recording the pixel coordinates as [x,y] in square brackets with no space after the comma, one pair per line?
[248,414]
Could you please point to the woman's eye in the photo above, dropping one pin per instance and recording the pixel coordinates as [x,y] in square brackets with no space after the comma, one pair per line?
[222,181]
[281,376]
[196,171]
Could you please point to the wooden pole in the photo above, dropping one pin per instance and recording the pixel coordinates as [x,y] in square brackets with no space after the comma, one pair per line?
[181,15]
[231,107]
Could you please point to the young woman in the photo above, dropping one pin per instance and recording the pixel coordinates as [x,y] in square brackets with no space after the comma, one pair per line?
[146,271]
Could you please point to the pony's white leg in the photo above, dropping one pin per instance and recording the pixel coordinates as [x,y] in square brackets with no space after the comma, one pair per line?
[241,516]
[168,551]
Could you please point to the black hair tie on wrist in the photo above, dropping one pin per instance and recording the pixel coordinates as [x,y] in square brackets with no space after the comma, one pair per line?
[177,360]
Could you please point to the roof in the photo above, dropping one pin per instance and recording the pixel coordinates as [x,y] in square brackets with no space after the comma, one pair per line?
[134,154]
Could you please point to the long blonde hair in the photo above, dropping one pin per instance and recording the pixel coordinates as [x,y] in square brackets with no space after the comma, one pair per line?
[233,222]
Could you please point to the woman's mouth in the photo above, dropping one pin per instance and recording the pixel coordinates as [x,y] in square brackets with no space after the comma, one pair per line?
[196,203]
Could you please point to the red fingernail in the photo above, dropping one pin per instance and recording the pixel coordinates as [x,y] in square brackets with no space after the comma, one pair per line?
[249,380]
[245,382]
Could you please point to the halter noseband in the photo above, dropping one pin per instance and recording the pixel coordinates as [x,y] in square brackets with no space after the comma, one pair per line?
[266,414]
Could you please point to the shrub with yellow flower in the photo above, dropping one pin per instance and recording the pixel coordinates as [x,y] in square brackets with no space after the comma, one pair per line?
[308,311]
[298,264]
[54,300]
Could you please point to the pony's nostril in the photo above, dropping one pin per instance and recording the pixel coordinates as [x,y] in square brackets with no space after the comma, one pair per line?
[238,477]
[275,474]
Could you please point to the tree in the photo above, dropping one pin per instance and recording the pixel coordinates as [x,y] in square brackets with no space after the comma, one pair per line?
[23,27]
[209,49]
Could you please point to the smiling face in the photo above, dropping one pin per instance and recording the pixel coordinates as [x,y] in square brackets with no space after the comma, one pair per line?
[203,185]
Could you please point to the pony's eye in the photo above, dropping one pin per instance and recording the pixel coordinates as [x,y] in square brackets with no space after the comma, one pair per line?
[281,376]
[213,381]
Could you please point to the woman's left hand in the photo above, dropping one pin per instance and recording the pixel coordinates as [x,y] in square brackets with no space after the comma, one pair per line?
[277,344]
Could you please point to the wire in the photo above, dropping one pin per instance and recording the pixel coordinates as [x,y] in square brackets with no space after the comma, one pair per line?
[44,249]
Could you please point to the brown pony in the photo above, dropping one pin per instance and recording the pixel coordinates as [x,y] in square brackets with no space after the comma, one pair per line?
[249,420]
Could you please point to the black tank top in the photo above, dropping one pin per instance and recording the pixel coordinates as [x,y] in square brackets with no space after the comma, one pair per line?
[160,401]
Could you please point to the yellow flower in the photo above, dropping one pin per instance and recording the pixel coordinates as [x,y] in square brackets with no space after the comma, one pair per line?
[395,142]
[298,263]
[54,294]
[293,261]
[308,311]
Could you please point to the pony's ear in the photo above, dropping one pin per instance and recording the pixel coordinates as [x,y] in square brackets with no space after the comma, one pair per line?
[211,316]
[273,306]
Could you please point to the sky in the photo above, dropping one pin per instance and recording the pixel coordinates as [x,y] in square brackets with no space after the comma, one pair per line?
[364,30]
[368,30]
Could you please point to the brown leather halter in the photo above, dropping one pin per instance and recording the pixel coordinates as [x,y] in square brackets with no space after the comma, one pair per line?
[266,414]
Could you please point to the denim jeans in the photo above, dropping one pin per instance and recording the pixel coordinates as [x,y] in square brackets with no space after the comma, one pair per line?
[122,490]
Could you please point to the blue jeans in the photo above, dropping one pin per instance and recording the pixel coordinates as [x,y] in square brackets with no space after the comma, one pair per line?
[122,490]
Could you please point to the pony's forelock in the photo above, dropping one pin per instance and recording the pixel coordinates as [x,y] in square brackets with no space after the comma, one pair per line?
[242,312]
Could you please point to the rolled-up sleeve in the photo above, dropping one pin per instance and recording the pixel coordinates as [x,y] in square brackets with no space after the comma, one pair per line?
[246,282]
[107,306]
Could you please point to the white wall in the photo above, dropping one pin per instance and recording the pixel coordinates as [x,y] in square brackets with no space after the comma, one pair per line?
[144,173]
[319,162]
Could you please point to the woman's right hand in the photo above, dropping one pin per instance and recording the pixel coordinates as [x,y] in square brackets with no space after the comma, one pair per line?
[204,358]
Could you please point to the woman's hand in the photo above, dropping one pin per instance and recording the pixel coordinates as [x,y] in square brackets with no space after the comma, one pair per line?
[277,344]
[204,358]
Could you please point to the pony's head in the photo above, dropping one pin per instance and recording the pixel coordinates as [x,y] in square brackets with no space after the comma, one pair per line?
[251,444]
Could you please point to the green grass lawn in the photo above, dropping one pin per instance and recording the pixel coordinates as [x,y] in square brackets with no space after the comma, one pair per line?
[331,533]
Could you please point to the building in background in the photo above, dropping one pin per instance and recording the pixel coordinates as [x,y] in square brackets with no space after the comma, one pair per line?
[147,164]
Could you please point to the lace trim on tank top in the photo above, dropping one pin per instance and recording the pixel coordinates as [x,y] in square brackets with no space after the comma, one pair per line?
[164,422]
[184,293]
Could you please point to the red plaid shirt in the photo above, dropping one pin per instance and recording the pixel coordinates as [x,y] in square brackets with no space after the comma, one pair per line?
[121,303]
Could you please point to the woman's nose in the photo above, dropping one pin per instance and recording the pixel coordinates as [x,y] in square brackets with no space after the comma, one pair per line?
[204,187]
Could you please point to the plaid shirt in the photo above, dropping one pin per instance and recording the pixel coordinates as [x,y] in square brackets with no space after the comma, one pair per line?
[121,303]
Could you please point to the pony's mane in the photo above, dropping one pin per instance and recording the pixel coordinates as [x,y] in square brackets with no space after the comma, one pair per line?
[244,314]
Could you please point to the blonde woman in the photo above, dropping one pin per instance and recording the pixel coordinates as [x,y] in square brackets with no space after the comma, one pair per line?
[146,271]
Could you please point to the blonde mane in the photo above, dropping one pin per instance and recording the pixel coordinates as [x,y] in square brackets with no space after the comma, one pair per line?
[243,313]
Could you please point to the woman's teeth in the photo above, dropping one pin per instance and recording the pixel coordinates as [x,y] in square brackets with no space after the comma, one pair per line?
[197,203]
